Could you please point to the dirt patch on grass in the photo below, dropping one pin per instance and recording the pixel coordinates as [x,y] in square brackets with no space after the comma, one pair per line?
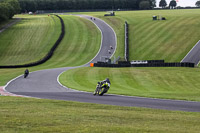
[1,91]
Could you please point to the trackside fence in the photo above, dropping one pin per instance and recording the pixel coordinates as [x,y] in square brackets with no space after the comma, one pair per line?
[49,54]
[149,64]
[126,43]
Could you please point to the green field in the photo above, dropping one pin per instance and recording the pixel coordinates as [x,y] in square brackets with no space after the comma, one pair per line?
[168,83]
[29,40]
[170,40]
[19,115]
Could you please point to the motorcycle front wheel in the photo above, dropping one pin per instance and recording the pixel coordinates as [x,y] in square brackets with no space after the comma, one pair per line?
[102,91]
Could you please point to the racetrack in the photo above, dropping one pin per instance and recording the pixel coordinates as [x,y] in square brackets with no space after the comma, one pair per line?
[194,55]
[10,24]
[44,83]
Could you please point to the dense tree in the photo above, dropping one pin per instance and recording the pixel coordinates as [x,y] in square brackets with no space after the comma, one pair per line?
[172,4]
[145,4]
[152,3]
[15,5]
[163,4]
[8,8]
[33,5]
[27,6]
[4,11]
[197,3]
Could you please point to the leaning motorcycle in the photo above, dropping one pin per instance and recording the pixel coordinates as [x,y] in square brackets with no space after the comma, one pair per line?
[101,88]
[26,73]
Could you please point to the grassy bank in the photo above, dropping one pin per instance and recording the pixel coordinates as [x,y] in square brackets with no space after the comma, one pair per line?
[75,49]
[29,40]
[170,83]
[8,74]
[81,43]
[35,115]
[170,40]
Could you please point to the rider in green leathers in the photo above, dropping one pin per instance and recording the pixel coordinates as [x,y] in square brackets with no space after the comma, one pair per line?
[103,84]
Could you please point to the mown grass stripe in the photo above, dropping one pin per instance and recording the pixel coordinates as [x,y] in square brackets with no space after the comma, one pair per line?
[68,52]
[141,24]
[30,51]
[151,42]
[75,44]
[173,49]
[170,83]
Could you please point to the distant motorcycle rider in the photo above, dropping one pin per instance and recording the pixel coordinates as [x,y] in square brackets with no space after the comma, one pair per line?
[102,84]
[26,73]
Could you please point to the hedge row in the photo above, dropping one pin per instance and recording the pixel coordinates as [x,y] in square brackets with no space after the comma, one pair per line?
[49,54]
[8,8]
[126,42]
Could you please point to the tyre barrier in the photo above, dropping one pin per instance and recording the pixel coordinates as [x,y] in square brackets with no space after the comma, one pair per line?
[49,54]
[150,63]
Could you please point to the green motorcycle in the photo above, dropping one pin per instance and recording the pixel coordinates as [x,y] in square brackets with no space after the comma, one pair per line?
[101,88]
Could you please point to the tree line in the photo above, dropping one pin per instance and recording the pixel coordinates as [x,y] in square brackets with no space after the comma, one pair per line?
[8,8]
[34,5]
[173,4]
[197,3]
[163,4]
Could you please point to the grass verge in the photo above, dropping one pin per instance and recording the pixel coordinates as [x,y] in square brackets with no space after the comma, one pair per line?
[37,115]
[9,74]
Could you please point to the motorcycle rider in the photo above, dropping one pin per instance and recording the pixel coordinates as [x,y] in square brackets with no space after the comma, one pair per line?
[26,73]
[102,84]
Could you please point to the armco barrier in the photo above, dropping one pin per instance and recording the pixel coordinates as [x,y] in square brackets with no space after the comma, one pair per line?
[49,54]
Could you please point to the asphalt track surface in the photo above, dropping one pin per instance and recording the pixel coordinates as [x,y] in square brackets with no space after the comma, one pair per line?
[44,84]
[194,55]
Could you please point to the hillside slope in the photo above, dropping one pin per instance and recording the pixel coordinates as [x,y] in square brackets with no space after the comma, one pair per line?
[170,40]
[29,40]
